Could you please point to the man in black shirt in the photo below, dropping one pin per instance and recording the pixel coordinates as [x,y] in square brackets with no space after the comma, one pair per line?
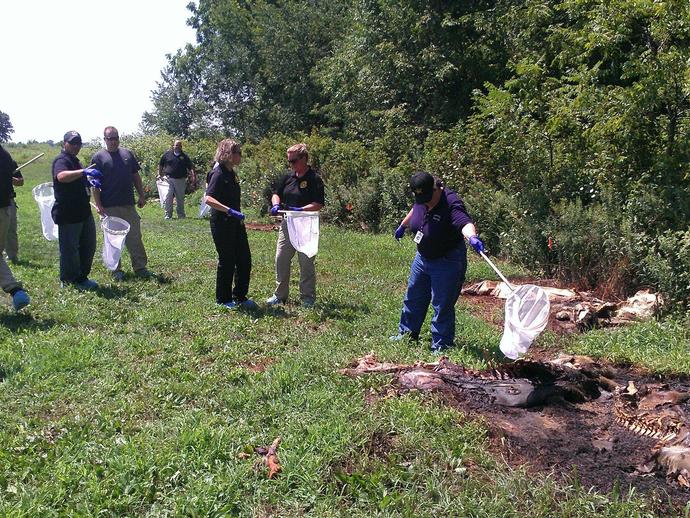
[174,166]
[72,214]
[9,284]
[301,189]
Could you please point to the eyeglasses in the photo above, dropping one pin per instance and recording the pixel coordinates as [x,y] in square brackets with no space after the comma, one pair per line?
[111,138]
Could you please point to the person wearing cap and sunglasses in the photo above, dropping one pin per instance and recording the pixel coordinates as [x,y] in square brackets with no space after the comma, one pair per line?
[438,221]
[8,283]
[301,189]
[115,197]
[72,214]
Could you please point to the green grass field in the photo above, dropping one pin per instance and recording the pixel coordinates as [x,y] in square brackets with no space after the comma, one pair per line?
[140,399]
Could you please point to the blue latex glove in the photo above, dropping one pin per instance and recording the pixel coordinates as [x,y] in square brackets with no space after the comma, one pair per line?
[399,232]
[94,182]
[236,214]
[477,244]
[92,172]
[296,209]
[274,209]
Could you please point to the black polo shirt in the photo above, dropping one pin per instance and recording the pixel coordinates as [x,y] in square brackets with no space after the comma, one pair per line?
[225,188]
[71,198]
[298,192]
[7,167]
[175,166]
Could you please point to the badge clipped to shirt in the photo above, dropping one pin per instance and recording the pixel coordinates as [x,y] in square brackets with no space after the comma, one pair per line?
[303,184]
[418,237]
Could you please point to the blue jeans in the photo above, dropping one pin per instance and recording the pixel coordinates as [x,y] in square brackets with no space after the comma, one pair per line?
[77,243]
[438,281]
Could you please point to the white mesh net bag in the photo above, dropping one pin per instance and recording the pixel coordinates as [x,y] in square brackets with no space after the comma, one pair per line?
[527,313]
[44,196]
[303,230]
[163,188]
[114,234]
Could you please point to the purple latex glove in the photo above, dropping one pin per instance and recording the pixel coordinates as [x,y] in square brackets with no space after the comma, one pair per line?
[296,209]
[94,182]
[274,209]
[236,214]
[477,244]
[92,172]
[399,232]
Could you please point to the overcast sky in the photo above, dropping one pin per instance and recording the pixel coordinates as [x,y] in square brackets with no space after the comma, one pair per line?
[84,64]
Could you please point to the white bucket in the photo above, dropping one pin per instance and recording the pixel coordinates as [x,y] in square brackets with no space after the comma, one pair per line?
[114,234]
[527,313]
[163,188]
[44,196]
[303,230]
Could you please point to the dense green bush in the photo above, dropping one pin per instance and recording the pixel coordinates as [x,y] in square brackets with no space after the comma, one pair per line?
[668,267]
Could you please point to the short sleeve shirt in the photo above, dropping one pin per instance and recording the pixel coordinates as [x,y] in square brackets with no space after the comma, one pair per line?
[224,187]
[298,192]
[118,168]
[441,227]
[71,198]
[175,166]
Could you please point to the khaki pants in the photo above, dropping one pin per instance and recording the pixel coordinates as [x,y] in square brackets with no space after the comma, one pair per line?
[307,271]
[177,188]
[7,280]
[133,241]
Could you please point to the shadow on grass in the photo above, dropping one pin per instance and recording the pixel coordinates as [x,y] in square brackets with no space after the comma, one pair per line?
[25,263]
[25,322]
[115,292]
[321,310]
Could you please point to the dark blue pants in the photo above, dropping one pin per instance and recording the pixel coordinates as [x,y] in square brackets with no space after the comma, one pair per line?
[234,259]
[77,242]
[438,281]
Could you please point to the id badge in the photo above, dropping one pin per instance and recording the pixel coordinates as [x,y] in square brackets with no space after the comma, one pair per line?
[418,237]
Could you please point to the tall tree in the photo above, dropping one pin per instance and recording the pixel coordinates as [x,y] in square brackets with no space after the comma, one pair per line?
[251,70]
[6,128]
[414,61]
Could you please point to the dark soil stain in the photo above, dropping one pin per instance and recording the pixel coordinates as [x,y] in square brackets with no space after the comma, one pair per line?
[581,442]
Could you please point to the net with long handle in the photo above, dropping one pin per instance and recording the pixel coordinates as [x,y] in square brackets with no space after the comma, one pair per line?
[526,315]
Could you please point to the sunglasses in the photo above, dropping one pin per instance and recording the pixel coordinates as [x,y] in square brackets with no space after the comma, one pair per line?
[294,160]
[111,138]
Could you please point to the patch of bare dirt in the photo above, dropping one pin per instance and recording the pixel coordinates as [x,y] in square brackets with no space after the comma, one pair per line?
[263,227]
[258,364]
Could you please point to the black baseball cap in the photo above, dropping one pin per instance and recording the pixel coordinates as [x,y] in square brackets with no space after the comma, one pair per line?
[72,137]
[422,185]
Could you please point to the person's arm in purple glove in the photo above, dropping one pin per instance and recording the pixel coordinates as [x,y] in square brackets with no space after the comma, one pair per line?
[92,172]
[76,174]
[274,209]
[400,231]
[235,214]
[212,202]
[470,232]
